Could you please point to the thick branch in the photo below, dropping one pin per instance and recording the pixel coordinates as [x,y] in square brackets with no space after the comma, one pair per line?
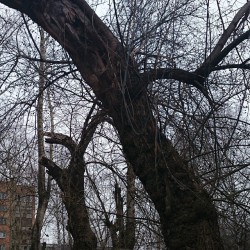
[79,30]
[86,136]
[207,68]
[61,139]
[53,169]
[232,66]
[88,131]
[175,74]
[230,47]
[225,36]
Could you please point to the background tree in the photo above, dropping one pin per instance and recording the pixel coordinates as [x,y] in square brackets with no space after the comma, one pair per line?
[44,186]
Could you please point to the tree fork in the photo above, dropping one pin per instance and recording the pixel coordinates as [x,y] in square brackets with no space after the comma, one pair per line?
[187,214]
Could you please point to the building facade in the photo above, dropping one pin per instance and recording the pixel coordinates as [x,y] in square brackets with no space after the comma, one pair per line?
[17,214]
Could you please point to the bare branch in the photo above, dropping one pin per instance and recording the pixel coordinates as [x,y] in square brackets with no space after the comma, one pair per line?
[53,170]
[175,74]
[44,60]
[223,54]
[61,139]
[225,36]
[88,131]
[232,66]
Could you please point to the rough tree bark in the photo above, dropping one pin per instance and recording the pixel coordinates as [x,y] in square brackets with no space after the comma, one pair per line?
[187,214]
[71,182]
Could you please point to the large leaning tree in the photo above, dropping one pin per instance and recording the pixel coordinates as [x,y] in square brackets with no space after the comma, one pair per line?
[187,214]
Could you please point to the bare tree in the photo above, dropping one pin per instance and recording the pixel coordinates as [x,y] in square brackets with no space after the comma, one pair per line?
[71,183]
[44,185]
[119,75]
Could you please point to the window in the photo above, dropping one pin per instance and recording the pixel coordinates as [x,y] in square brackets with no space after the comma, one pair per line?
[2,222]
[2,234]
[2,247]
[3,196]
[3,208]
[28,210]
[26,198]
[17,213]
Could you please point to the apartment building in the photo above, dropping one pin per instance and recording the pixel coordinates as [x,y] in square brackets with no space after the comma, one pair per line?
[17,214]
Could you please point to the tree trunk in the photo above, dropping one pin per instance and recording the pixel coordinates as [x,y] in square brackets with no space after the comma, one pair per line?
[130,220]
[71,183]
[74,200]
[187,214]
[43,192]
